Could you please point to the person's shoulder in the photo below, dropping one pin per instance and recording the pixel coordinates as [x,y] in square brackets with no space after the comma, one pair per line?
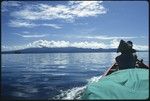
[133,50]
[118,57]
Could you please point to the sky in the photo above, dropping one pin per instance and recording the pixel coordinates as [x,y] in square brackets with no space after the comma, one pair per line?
[86,24]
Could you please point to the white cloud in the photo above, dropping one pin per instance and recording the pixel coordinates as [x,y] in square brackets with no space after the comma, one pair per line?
[8,48]
[107,37]
[28,24]
[114,43]
[92,44]
[87,8]
[6,4]
[11,3]
[32,36]
[52,43]
[51,25]
[141,47]
[72,10]
[85,44]
[21,23]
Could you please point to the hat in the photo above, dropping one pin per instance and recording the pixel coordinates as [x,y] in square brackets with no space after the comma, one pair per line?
[125,47]
[130,43]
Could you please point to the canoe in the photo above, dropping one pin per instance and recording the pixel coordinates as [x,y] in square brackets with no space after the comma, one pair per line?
[129,84]
[114,67]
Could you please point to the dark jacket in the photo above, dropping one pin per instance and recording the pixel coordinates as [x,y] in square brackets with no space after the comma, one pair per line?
[126,60]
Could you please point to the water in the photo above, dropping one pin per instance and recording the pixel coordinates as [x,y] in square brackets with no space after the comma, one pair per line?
[53,75]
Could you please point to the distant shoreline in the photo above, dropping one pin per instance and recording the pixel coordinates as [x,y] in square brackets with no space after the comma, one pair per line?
[61,52]
[53,52]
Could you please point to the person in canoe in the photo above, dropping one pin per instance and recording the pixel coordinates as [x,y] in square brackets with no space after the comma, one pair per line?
[128,56]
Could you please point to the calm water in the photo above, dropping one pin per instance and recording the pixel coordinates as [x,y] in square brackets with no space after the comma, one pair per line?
[45,76]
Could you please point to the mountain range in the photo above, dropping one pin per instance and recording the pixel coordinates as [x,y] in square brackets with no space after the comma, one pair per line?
[60,50]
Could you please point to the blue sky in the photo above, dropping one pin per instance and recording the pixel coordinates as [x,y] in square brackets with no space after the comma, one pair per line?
[87,24]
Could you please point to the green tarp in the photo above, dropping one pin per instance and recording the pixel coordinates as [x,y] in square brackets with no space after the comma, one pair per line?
[123,84]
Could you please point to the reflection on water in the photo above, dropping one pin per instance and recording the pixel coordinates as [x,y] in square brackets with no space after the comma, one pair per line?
[43,76]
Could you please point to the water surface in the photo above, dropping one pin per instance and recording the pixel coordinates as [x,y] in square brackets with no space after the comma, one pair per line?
[45,76]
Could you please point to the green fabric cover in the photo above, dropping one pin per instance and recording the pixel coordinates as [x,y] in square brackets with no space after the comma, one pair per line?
[123,84]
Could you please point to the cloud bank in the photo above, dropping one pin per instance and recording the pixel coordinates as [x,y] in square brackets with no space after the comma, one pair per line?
[51,44]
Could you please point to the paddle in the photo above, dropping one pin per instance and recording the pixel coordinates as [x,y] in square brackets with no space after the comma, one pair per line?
[141,64]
